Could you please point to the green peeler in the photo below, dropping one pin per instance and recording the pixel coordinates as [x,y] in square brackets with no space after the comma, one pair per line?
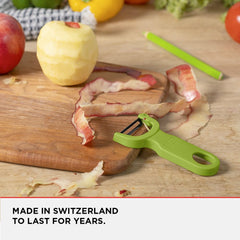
[168,146]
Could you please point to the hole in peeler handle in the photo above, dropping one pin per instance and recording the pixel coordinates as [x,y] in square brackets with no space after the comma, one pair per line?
[200,158]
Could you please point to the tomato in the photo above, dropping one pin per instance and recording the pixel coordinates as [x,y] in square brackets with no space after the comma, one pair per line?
[136,1]
[232,22]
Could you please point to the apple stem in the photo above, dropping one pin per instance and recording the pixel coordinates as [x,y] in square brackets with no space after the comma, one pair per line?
[72,24]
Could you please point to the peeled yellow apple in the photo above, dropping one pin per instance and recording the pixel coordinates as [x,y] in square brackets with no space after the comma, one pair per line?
[67,52]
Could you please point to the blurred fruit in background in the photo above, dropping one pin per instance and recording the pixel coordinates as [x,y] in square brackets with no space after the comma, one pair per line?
[46,3]
[102,10]
[12,43]
[136,2]
[232,22]
[20,4]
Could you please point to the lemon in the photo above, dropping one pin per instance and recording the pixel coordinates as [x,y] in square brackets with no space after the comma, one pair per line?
[102,10]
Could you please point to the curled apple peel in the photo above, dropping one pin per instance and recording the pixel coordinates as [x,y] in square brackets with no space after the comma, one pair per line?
[184,81]
[93,89]
[181,76]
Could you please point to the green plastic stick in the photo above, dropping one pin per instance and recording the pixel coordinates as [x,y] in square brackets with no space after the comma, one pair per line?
[184,56]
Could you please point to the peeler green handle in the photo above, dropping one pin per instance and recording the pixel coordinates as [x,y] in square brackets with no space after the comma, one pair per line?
[170,147]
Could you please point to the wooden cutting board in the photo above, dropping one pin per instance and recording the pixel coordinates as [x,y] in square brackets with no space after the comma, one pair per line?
[36,128]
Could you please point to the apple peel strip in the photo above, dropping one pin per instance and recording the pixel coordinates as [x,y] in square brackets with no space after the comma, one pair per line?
[96,87]
[184,81]
[184,84]
[182,77]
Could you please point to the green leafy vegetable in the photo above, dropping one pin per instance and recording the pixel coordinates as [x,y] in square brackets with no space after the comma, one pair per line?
[229,3]
[179,7]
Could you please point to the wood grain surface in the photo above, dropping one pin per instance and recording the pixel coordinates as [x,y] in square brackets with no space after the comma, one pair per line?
[36,128]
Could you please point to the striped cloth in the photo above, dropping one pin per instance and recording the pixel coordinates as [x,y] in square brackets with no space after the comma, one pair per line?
[33,19]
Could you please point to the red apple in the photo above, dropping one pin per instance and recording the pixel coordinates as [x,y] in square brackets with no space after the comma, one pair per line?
[12,43]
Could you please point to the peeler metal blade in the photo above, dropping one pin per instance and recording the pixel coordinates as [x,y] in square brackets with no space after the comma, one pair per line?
[139,121]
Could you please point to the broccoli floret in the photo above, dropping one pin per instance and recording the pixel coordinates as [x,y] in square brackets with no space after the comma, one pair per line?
[179,7]
[229,3]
